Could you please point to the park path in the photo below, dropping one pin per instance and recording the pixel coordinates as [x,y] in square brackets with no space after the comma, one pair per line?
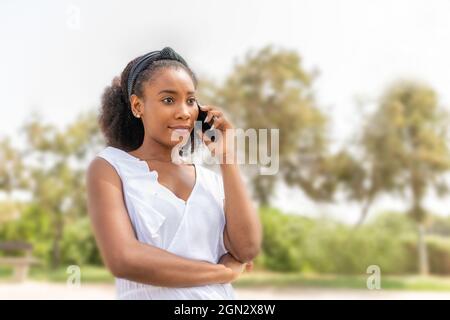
[45,290]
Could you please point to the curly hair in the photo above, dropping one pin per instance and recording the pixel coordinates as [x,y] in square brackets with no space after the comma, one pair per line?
[117,123]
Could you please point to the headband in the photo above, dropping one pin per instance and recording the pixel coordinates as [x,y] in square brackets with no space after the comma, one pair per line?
[144,61]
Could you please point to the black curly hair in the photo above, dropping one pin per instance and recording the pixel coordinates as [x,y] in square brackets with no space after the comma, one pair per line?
[117,123]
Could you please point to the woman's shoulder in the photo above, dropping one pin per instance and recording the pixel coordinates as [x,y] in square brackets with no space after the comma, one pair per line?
[124,163]
[105,165]
[99,171]
[105,160]
[112,154]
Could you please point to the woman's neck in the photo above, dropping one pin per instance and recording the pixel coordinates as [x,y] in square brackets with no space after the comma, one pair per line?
[153,150]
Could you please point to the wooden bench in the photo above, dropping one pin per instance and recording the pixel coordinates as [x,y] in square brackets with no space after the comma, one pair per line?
[21,264]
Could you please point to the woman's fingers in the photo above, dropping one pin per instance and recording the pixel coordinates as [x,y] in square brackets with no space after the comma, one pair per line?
[217,116]
[213,114]
[204,107]
[217,124]
[249,266]
[212,110]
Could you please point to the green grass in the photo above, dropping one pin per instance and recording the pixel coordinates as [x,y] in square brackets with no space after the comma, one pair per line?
[299,280]
[95,274]
[89,274]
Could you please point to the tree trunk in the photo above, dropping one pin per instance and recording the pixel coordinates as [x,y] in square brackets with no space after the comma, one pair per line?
[263,188]
[56,250]
[364,212]
[422,251]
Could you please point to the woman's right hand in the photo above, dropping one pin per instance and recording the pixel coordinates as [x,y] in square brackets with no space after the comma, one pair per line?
[236,266]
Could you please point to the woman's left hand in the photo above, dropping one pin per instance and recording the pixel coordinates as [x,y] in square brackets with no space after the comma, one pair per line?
[219,146]
[249,266]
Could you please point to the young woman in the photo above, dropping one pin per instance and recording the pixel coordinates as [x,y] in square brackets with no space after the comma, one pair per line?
[165,229]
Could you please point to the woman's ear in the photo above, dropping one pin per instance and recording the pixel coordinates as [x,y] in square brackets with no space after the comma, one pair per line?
[136,105]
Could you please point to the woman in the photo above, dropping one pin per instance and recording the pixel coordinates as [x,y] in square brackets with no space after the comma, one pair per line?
[165,229]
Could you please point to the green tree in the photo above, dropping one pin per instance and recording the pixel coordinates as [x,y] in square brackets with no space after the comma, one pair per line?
[270,89]
[405,150]
[12,177]
[56,163]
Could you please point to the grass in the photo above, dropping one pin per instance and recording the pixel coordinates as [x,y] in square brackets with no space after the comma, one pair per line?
[89,274]
[300,280]
[257,278]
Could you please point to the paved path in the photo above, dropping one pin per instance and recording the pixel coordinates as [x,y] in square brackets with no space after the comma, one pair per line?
[43,290]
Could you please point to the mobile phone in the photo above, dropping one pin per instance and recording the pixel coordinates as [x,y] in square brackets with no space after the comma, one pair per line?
[201,117]
[206,127]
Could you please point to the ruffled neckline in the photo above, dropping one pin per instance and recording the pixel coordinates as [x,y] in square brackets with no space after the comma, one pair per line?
[145,169]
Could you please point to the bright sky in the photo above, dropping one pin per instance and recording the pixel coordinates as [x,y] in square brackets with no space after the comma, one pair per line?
[57,56]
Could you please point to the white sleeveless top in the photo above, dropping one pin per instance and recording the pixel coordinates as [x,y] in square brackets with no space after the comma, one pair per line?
[191,229]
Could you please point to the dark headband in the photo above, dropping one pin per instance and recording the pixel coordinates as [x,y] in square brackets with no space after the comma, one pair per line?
[144,61]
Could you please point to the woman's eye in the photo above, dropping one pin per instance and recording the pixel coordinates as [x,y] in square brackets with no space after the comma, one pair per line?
[167,99]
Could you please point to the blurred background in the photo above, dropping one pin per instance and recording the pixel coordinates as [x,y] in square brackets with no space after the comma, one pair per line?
[359,90]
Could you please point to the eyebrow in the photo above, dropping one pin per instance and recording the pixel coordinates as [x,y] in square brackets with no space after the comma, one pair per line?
[173,91]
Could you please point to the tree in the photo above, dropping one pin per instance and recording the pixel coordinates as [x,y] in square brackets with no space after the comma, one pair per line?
[271,90]
[12,177]
[404,143]
[56,160]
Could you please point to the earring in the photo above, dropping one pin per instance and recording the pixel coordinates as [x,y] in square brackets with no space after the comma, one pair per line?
[137,115]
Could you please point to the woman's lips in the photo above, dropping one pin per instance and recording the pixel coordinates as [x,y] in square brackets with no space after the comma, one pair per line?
[182,130]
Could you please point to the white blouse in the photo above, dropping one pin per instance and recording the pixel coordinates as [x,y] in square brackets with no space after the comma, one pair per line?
[192,229]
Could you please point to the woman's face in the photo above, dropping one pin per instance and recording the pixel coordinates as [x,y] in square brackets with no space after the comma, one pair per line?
[168,108]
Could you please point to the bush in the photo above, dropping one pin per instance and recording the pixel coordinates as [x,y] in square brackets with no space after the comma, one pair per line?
[78,244]
[291,243]
[439,254]
[34,226]
[295,243]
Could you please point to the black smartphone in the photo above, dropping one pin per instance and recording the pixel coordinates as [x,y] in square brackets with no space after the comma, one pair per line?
[201,117]
[205,125]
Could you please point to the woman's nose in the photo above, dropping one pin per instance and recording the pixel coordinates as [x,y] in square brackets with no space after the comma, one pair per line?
[183,112]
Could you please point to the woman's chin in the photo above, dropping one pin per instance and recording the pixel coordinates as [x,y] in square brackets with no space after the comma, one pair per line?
[176,138]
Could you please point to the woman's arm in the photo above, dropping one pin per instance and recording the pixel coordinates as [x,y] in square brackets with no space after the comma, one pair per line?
[128,258]
[243,231]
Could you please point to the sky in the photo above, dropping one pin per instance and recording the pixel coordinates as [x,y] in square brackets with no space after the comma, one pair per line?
[57,56]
